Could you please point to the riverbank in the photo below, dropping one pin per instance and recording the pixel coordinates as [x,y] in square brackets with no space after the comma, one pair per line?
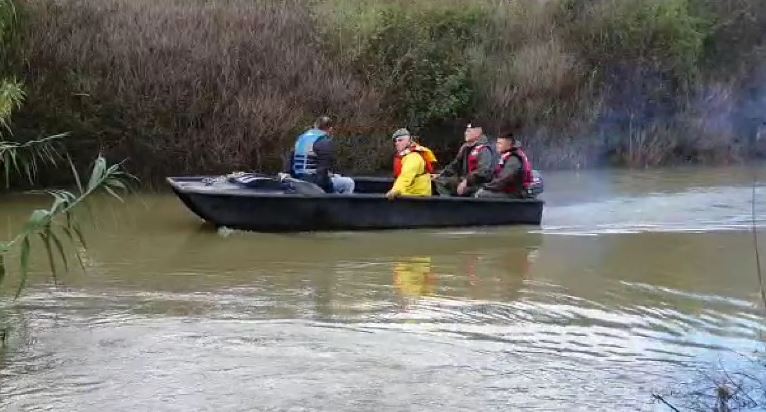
[180,88]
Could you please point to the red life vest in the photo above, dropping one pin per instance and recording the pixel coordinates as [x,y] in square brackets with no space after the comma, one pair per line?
[527,179]
[473,157]
[429,160]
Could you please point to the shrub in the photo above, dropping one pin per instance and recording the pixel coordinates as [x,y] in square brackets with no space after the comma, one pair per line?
[195,87]
[184,87]
[414,53]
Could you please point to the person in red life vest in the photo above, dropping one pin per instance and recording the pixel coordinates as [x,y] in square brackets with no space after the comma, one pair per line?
[513,171]
[473,166]
[413,165]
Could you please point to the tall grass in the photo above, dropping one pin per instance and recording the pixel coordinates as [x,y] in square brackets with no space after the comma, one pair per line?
[180,86]
[192,87]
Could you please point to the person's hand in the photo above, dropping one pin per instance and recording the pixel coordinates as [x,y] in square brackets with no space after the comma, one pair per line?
[435,176]
[392,194]
[462,188]
[282,176]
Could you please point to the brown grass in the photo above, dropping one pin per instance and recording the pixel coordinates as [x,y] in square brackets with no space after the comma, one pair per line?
[193,87]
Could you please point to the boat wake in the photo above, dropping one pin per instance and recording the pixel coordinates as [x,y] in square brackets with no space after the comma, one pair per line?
[703,209]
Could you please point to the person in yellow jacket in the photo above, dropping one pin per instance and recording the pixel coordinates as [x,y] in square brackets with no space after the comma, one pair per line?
[413,165]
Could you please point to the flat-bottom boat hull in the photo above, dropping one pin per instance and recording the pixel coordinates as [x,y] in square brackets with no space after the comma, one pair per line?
[277,212]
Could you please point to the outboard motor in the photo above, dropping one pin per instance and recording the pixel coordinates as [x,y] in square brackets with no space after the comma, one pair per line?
[537,186]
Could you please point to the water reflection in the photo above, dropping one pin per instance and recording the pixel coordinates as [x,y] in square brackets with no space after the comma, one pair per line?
[496,270]
[413,279]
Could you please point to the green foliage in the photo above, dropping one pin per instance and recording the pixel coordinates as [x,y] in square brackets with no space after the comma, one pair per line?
[662,34]
[9,22]
[415,55]
[27,158]
[561,69]
[11,96]
[735,35]
[59,222]
[21,158]
[7,19]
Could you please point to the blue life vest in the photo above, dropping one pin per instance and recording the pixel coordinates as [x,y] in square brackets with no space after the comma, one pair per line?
[304,158]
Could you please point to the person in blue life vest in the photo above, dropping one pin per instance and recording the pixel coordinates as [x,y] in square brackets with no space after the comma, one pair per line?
[313,159]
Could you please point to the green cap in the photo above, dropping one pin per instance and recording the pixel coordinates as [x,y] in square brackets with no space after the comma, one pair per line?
[400,133]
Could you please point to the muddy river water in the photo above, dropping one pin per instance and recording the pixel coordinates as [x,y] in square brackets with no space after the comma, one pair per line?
[637,282]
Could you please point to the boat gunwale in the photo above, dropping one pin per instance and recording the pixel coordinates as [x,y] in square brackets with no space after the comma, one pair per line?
[330,196]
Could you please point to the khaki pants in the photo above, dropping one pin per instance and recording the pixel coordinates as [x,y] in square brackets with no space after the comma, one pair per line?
[447,186]
[488,194]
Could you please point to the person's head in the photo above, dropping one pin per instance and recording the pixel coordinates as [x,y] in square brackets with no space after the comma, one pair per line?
[402,139]
[473,133]
[324,123]
[505,142]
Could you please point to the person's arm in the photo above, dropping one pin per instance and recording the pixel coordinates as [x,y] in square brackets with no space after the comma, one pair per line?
[324,149]
[484,169]
[510,172]
[412,166]
[453,168]
[287,163]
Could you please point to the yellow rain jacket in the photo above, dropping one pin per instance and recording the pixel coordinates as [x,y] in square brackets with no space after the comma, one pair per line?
[414,179]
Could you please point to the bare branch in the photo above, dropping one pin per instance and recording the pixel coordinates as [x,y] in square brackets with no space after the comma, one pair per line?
[661,399]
